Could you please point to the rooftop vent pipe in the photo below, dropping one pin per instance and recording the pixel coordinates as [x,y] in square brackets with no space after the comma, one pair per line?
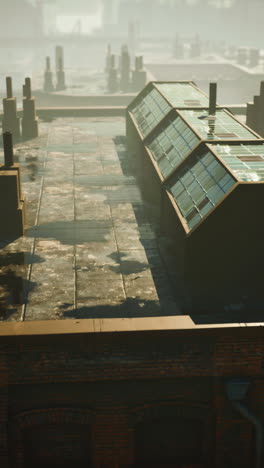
[262,88]
[236,390]
[212,98]
[28,88]
[9,91]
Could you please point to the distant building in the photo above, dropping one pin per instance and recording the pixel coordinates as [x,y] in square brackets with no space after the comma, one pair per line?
[242,20]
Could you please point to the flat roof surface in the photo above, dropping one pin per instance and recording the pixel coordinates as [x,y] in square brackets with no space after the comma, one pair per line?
[89,249]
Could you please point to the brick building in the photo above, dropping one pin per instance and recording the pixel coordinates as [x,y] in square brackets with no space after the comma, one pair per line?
[99,365]
[135,393]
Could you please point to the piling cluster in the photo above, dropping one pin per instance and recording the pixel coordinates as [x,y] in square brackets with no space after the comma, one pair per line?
[60,86]
[194,50]
[244,56]
[48,78]
[248,57]
[12,201]
[122,77]
[139,75]
[178,48]
[48,85]
[11,121]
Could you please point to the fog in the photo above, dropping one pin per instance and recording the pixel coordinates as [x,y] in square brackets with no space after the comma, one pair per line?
[200,40]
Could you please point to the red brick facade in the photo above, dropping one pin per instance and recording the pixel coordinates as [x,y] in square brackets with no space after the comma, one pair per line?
[105,385]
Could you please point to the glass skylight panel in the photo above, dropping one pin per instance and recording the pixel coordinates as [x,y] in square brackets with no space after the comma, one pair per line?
[222,127]
[183,95]
[150,111]
[246,161]
[199,186]
[173,143]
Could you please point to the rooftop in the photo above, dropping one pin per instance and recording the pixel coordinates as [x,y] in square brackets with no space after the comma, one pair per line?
[89,249]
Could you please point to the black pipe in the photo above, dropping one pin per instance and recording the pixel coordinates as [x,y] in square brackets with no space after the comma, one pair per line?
[236,389]
[241,407]
[212,98]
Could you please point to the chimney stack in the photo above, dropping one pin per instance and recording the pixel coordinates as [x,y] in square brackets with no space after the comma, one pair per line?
[112,76]
[59,56]
[212,98]
[29,119]
[8,149]
[9,91]
[139,75]
[11,122]
[48,79]
[12,200]
[27,89]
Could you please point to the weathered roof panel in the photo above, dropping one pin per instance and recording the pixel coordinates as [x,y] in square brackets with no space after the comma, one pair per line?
[199,185]
[245,160]
[171,144]
[221,127]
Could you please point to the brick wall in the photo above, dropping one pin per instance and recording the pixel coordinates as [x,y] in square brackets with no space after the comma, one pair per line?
[119,379]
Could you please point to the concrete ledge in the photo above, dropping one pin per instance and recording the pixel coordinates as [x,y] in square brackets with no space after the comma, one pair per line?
[53,112]
[144,324]
[99,100]
[101,111]
[104,111]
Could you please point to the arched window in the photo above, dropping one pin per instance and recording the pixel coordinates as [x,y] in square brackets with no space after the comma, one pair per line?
[57,445]
[53,438]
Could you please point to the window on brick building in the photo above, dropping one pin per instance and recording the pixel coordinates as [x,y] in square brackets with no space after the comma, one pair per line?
[57,445]
[169,442]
